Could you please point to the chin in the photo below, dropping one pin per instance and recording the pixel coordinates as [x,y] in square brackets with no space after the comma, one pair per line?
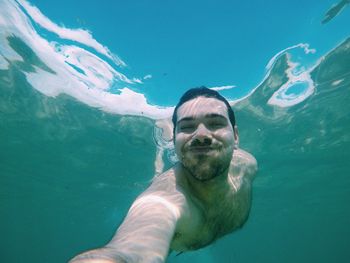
[206,165]
[204,172]
[204,177]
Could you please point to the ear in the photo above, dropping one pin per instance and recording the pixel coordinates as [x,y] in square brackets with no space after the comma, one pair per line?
[236,136]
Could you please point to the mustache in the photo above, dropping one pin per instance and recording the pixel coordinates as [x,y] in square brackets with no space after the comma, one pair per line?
[199,143]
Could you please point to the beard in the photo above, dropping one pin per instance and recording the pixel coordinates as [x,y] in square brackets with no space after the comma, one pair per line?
[205,167]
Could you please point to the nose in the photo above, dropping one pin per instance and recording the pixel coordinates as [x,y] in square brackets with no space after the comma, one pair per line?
[202,135]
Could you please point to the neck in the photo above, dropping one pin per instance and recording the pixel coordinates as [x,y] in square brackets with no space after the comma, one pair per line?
[207,191]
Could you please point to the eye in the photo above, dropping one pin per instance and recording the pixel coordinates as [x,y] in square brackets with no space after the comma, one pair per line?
[187,127]
[216,124]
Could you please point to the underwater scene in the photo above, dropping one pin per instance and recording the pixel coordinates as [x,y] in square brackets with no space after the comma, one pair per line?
[87,91]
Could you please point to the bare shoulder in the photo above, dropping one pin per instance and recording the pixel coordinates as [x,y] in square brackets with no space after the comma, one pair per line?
[243,157]
[244,163]
[163,182]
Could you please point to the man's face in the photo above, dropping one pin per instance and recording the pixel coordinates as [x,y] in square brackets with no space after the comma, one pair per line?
[204,137]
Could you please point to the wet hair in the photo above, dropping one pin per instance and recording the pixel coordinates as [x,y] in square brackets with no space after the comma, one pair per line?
[202,92]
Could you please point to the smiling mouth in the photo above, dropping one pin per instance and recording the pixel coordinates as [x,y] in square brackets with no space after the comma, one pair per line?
[201,149]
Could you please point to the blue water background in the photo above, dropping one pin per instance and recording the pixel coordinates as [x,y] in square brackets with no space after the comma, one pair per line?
[69,171]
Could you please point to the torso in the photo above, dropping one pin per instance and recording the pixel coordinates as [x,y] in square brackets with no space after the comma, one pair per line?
[199,225]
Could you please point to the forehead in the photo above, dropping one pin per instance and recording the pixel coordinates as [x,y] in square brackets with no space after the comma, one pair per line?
[200,107]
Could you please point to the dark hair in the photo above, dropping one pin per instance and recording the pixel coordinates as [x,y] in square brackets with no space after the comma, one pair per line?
[202,92]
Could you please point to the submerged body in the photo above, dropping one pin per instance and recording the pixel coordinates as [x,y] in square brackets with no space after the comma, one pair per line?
[201,222]
[205,196]
[191,223]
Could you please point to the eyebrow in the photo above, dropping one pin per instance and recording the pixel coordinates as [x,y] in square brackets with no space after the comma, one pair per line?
[210,115]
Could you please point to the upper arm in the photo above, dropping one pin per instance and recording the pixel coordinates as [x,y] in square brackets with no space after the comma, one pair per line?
[147,230]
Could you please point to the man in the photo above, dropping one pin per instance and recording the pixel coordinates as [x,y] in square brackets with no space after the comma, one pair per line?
[205,196]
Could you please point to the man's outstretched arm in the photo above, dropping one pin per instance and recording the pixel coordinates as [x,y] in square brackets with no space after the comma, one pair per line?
[144,236]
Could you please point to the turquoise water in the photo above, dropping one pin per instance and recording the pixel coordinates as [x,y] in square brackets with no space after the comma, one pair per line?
[73,158]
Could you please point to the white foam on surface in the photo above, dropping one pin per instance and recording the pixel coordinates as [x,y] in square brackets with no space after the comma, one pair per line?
[78,72]
[281,97]
[95,79]
[78,35]
[223,87]
[304,46]
[8,18]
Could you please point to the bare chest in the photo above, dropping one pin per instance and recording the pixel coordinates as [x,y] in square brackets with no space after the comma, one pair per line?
[204,224]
